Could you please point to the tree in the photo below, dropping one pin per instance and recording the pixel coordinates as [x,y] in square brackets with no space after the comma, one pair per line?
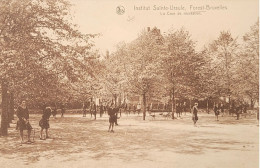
[181,66]
[223,52]
[113,76]
[36,42]
[40,48]
[248,65]
[4,115]
[142,65]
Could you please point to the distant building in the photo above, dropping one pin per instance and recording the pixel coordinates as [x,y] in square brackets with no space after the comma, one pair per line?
[107,54]
[156,33]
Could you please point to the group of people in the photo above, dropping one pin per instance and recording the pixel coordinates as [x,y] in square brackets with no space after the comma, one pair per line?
[113,116]
[24,124]
[131,107]
[238,109]
[94,109]
[180,107]
[112,110]
[219,108]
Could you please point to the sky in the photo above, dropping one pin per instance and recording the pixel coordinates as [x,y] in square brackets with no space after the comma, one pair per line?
[100,16]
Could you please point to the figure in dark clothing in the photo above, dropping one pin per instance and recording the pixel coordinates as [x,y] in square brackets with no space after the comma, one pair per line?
[91,109]
[195,114]
[62,110]
[112,117]
[84,109]
[101,110]
[216,111]
[231,109]
[105,108]
[125,108]
[222,109]
[23,122]
[120,111]
[138,108]
[116,110]
[44,122]
[178,110]
[94,110]
[238,111]
[134,109]
[245,109]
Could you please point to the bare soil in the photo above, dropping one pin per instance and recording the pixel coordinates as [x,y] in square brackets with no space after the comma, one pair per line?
[156,142]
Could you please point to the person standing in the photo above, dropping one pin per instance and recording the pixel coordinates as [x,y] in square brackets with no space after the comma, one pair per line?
[44,122]
[94,110]
[134,108]
[195,114]
[245,109]
[106,108]
[125,108]
[91,108]
[232,109]
[101,109]
[238,111]
[62,110]
[216,111]
[138,108]
[180,109]
[112,117]
[84,109]
[177,109]
[222,109]
[120,110]
[23,122]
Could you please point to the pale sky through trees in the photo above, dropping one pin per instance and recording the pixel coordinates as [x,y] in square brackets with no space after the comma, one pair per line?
[101,17]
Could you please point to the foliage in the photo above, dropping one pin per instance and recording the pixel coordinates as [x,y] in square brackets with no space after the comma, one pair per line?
[41,50]
[223,53]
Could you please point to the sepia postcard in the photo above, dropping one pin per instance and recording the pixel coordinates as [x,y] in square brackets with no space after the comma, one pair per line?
[129,83]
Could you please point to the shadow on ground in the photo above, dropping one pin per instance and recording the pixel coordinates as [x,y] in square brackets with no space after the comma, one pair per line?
[133,138]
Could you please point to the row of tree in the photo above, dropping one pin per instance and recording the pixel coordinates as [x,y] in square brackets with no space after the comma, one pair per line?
[156,66]
[44,58]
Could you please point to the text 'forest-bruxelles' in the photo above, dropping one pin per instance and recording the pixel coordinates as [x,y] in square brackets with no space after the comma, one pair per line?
[180,7]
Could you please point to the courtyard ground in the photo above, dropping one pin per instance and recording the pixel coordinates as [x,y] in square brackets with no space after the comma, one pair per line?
[160,142]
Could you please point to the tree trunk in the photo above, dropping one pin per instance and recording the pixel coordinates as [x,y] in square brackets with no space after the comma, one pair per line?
[4,116]
[11,105]
[208,105]
[8,109]
[173,103]
[252,103]
[144,106]
[229,99]
[115,97]
[119,99]
[190,105]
